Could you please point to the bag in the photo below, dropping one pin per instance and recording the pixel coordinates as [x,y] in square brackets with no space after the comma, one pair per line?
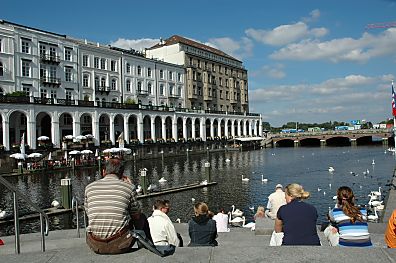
[276,238]
[332,237]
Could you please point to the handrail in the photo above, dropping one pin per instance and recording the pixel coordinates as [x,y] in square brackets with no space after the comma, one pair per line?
[75,207]
[16,194]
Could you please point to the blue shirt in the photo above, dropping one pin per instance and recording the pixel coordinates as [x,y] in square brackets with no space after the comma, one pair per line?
[299,223]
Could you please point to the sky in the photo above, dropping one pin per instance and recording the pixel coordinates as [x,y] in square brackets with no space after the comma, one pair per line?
[308,61]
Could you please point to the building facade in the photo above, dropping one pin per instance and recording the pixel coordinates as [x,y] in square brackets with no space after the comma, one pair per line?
[55,85]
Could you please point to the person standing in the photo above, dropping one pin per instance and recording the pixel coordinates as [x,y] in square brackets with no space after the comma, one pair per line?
[390,232]
[275,200]
[350,220]
[113,211]
[201,228]
[297,219]
[162,229]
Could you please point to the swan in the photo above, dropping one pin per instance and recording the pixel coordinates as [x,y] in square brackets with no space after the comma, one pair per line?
[227,160]
[324,192]
[204,182]
[245,179]
[251,225]
[331,169]
[236,212]
[380,207]
[178,220]
[319,189]
[151,187]
[375,203]
[162,180]
[2,214]
[373,217]
[55,204]
[251,208]
[192,199]
[335,197]
[139,189]
[263,179]
[373,162]
[377,193]
[236,220]
[373,196]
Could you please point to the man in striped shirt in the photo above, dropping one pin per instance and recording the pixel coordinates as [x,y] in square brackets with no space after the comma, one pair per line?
[112,210]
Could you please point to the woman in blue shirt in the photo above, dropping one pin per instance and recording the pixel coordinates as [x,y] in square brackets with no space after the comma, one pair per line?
[297,219]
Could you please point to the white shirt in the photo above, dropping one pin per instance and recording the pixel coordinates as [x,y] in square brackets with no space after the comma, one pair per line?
[275,200]
[162,229]
[221,222]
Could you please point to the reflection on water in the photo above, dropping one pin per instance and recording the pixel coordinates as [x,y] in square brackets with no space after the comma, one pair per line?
[307,166]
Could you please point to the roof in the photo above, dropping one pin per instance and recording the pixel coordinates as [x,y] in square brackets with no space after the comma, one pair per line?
[175,39]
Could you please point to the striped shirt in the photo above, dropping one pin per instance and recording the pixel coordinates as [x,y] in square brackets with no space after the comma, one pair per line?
[109,203]
[351,234]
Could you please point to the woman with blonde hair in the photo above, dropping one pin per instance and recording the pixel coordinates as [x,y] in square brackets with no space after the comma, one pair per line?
[201,228]
[350,220]
[297,219]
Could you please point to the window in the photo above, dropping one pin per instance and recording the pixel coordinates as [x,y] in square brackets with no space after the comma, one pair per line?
[96,62]
[43,72]
[25,46]
[86,119]
[149,72]
[52,72]
[113,84]
[113,65]
[161,74]
[149,88]
[179,91]
[170,75]
[103,63]
[139,86]
[68,74]
[1,69]
[68,95]
[1,92]
[96,82]
[43,51]
[68,54]
[139,70]
[103,82]
[128,68]
[85,60]
[162,89]
[85,80]
[128,85]
[67,119]
[43,93]
[53,53]
[171,90]
[25,68]
[26,88]
[1,50]
[53,94]
[179,77]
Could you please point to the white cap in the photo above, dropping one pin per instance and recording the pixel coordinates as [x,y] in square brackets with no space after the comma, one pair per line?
[278,186]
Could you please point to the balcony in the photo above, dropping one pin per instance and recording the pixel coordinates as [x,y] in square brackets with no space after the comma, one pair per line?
[142,92]
[103,90]
[46,58]
[50,81]
[39,100]
[174,96]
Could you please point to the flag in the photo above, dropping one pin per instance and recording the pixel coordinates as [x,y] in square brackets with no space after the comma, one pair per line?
[393,101]
[22,146]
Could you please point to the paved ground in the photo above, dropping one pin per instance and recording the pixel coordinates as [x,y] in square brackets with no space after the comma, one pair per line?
[239,245]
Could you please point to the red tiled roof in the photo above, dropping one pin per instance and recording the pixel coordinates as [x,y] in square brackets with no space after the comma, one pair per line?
[178,39]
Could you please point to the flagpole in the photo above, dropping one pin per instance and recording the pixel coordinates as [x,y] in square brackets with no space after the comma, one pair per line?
[394,124]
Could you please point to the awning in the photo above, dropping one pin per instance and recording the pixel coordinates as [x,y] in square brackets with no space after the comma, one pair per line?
[248,139]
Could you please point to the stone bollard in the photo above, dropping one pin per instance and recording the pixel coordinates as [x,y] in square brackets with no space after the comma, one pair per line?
[207,171]
[143,180]
[66,193]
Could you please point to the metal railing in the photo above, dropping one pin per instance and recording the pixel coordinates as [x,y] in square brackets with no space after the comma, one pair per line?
[43,229]
[74,208]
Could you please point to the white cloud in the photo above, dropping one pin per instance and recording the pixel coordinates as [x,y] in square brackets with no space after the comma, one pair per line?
[238,49]
[285,34]
[272,71]
[137,44]
[314,15]
[342,49]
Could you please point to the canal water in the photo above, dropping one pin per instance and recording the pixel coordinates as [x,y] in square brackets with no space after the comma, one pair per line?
[307,166]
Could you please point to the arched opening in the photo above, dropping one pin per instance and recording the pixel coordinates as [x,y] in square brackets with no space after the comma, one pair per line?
[132,125]
[86,124]
[197,128]
[215,129]
[189,128]
[65,124]
[180,128]
[208,128]
[18,127]
[118,126]
[222,128]
[104,129]
[168,125]
[158,128]
[147,127]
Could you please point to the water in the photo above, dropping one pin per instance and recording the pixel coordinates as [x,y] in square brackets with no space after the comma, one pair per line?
[306,166]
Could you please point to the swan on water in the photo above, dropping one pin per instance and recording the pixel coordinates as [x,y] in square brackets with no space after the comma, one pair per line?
[251,208]
[151,187]
[236,211]
[192,199]
[245,179]
[373,162]
[375,203]
[55,204]
[319,189]
[162,180]
[263,179]
[373,217]
[2,214]
[227,160]
[236,220]
[178,220]
[204,182]
[377,193]
[331,169]
[330,185]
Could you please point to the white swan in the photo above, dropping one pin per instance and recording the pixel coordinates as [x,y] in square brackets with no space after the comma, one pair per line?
[192,199]
[331,169]
[377,193]
[236,211]
[330,185]
[319,189]
[227,160]
[139,189]
[373,162]
[373,217]
[151,187]
[204,182]
[373,196]
[335,197]
[236,220]
[2,214]
[245,179]
[263,179]
[162,180]
[178,220]
[375,203]
[55,204]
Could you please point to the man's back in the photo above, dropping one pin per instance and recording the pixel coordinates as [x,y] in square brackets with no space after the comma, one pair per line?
[109,203]
[277,199]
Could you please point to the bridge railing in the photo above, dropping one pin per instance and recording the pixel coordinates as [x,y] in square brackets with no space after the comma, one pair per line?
[305,134]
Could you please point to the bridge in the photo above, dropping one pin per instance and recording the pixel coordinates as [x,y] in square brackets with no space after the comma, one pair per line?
[331,138]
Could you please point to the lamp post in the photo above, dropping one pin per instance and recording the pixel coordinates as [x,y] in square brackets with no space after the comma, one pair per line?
[162,155]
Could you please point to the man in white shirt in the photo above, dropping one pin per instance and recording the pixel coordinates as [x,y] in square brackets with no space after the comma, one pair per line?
[162,230]
[221,219]
[275,200]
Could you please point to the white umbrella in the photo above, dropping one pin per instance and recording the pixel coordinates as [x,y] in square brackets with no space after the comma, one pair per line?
[69,137]
[35,155]
[74,152]
[86,152]
[126,150]
[18,156]
[89,136]
[96,152]
[80,137]
[112,150]
[43,138]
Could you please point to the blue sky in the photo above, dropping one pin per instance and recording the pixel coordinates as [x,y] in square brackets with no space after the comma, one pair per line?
[307,60]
